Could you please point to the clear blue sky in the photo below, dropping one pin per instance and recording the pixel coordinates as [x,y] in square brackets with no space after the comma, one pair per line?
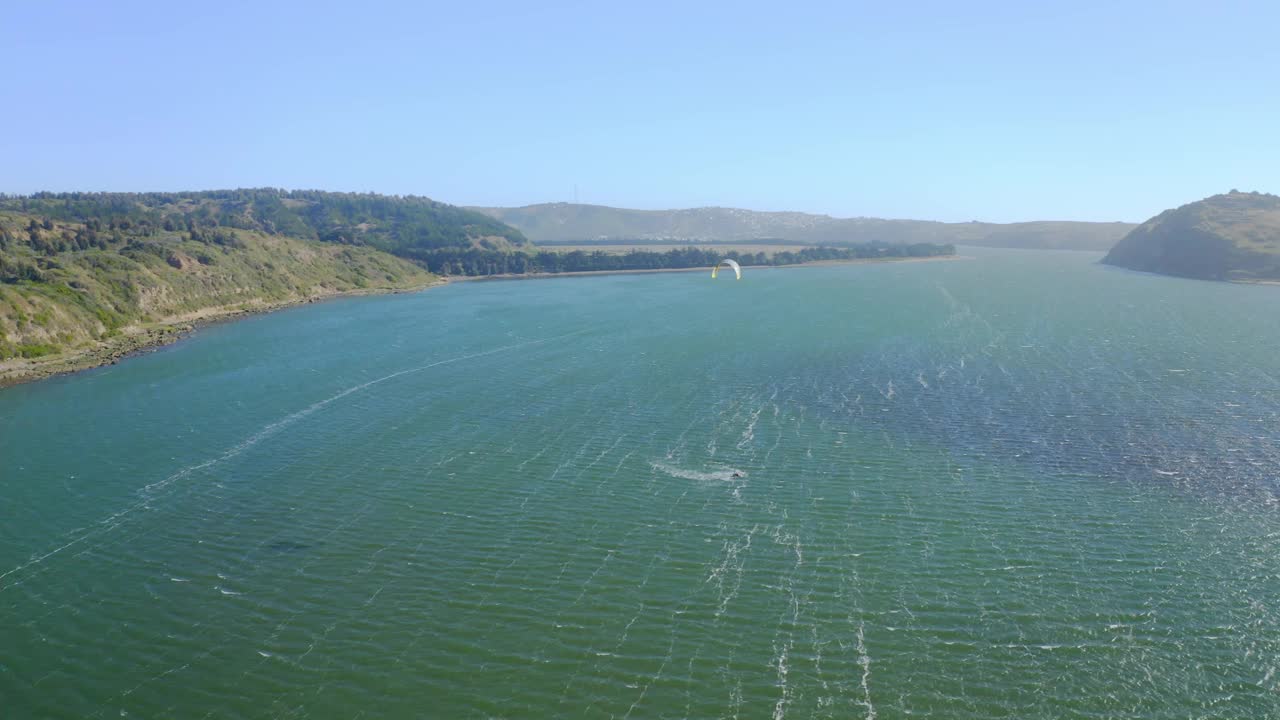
[950,111]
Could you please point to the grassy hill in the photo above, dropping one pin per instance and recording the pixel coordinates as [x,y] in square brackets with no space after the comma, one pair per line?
[85,277]
[571,223]
[1233,236]
[386,222]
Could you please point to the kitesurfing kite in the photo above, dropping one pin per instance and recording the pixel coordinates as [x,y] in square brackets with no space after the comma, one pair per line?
[737,270]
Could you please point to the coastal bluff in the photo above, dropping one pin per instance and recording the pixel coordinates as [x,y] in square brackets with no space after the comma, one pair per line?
[1233,236]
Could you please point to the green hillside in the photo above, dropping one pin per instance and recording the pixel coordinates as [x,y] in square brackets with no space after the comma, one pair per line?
[386,222]
[83,274]
[571,223]
[1233,236]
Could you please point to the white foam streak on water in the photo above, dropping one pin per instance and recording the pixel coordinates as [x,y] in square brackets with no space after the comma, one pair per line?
[864,660]
[949,494]
[725,475]
[112,521]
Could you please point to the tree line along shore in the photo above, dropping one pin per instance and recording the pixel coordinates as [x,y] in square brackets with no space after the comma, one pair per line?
[87,278]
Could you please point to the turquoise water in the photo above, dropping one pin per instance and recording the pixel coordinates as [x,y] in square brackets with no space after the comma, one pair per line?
[1021,485]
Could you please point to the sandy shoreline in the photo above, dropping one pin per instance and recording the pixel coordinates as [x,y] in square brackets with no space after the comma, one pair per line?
[138,340]
[747,269]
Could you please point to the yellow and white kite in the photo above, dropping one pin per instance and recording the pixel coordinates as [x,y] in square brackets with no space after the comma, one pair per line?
[737,270]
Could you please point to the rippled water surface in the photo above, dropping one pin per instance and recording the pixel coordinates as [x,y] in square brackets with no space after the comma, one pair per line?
[1020,485]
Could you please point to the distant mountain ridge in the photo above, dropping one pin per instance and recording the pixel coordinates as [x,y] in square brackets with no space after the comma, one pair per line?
[567,222]
[1232,236]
